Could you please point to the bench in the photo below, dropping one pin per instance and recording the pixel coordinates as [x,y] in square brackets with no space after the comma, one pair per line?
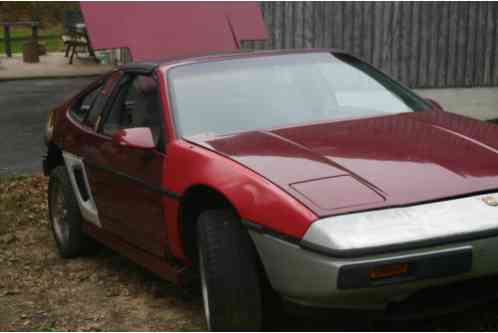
[75,35]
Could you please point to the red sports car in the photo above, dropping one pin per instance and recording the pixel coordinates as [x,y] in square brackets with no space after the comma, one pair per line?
[305,176]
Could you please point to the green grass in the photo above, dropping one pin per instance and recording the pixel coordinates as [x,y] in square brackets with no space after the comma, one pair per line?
[51,37]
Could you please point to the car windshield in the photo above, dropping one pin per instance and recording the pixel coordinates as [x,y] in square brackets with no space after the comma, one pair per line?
[273,91]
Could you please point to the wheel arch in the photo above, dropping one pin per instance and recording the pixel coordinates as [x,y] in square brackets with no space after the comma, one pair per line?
[194,171]
[197,199]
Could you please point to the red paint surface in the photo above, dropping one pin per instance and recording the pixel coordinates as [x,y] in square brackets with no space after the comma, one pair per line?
[128,208]
[271,177]
[254,198]
[154,30]
[337,192]
[407,158]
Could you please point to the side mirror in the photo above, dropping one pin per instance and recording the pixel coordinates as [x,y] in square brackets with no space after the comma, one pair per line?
[139,138]
[434,104]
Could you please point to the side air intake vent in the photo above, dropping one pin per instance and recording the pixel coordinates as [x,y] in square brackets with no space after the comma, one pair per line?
[78,175]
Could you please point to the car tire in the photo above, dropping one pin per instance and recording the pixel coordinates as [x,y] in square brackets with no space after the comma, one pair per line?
[230,279]
[65,217]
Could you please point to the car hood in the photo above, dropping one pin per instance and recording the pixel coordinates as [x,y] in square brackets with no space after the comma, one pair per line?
[347,166]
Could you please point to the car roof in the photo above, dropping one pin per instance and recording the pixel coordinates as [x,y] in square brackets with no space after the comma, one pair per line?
[149,66]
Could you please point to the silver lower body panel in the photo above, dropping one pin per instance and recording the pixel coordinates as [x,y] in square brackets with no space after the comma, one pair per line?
[87,206]
[309,278]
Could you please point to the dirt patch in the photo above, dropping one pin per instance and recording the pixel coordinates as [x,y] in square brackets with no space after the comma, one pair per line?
[39,291]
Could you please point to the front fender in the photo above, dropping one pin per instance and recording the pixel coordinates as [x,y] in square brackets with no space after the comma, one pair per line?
[256,199]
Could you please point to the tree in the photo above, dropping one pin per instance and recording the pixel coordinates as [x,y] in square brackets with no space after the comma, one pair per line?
[48,13]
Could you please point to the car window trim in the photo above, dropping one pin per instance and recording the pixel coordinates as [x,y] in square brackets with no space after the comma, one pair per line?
[99,87]
[82,95]
[123,81]
[107,98]
[127,78]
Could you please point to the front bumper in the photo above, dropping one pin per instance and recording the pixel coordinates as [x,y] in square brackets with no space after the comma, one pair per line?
[334,264]
[309,278]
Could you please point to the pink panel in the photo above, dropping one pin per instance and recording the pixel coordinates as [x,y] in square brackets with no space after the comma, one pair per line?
[246,21]
[162,29]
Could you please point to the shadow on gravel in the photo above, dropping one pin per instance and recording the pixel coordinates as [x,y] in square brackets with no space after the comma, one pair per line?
[483,317]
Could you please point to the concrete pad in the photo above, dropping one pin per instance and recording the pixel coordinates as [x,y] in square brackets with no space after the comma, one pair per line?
[480,103]
[52,65]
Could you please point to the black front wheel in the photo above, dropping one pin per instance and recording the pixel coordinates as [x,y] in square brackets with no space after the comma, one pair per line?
[230,280]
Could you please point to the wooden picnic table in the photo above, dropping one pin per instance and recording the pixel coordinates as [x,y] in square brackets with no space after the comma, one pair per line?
[6,32]
[79,33]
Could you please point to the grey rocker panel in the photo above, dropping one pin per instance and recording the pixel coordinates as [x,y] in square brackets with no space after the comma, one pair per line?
[87,207]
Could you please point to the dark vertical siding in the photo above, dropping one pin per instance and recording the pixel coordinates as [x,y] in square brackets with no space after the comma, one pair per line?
[379,31]
[494,19]
[452,46]
[423,44]
[443,44]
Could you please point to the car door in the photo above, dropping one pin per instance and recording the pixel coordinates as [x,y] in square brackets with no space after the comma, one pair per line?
[84,111]
[127,181]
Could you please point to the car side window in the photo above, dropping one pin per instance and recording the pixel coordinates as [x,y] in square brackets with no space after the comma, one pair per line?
[137,104]
[101,100]
[80,110]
